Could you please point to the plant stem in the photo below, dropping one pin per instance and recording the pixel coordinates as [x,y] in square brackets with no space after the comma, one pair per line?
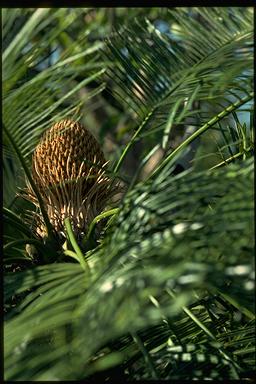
[95,221]
[146,355]
[201,130]
[72,254]
[144,161]
[235,304]
[130,143]
[48,225]
[226,161]
[74,244]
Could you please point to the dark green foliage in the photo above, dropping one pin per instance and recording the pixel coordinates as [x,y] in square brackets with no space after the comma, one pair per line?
[167,291]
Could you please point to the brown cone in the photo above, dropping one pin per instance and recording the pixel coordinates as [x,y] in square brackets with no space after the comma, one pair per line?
[68,168]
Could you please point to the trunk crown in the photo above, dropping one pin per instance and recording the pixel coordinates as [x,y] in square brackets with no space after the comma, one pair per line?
[69,170]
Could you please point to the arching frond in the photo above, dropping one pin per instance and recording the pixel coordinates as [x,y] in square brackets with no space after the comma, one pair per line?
[205,59]
[160,256]
[34,98]
[167,290]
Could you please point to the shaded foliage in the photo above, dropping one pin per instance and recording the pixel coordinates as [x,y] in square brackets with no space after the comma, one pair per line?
[167,291]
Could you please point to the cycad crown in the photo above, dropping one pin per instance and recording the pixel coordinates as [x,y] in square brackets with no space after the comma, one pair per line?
[68,168]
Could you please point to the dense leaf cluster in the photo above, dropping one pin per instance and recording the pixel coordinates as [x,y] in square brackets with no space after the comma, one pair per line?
[167,290]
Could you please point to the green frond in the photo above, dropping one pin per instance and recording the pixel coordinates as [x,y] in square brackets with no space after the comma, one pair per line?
[34,99]
[159,76]
[157,245]
[166,291]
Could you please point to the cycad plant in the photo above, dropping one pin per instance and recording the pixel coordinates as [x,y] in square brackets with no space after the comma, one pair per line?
[115,266]
[68,168]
